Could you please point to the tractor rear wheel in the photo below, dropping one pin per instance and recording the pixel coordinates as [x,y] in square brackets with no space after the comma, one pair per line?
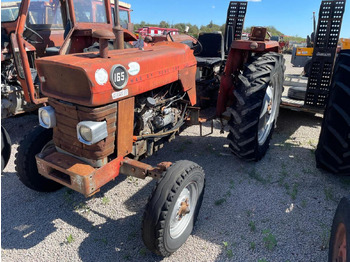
[173,208]
[5,148]
[37,141]
[339,243]
[333,149]
[255,109]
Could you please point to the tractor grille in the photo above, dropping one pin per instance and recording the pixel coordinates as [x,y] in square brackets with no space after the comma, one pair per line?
[65,133]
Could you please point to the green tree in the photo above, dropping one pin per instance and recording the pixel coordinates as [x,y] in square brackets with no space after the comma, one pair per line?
[164,24]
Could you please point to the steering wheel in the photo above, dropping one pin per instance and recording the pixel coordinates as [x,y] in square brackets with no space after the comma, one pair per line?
[34,33]
[197,48]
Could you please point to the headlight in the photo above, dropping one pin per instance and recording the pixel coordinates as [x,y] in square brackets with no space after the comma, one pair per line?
[85,133]
[47,118]
[90,132]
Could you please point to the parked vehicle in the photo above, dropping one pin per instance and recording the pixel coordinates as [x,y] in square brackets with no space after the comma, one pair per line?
[156,31]
[39,32]
[109,108]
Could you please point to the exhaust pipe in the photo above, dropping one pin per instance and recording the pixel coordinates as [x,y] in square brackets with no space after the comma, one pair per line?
[117,29]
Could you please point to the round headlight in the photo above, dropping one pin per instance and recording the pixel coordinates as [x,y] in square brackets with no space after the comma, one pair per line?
[45,117]
[85,133]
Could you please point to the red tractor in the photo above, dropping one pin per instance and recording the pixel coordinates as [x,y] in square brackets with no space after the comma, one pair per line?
[109,108]
[30,30]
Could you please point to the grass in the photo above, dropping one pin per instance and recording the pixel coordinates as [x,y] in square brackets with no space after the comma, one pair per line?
[249,213]
[133,180]
[227,194]
[252,246]
[312,143]
[229,252]
[252,226]
[253,174]
[220,201]
[143,252]
[294,191]
[308,171]
[68,195]
[283,175]
[70,239]
[127,257]
[103,240]
[329,194]
[105,200]
[132,235]
[269,240]
[232,184]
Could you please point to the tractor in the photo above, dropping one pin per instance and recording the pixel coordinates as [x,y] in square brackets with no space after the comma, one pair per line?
[108,108]
[30,30]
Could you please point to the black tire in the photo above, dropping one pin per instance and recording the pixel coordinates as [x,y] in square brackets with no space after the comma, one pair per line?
[333,149]
[5,148]
[339,243]
[26,168]
[262,75]
[157,233]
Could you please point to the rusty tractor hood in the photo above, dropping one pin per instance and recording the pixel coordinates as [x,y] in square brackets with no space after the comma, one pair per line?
[77,78]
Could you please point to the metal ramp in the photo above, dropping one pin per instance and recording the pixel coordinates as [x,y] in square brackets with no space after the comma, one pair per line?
[325,46]
[234,22]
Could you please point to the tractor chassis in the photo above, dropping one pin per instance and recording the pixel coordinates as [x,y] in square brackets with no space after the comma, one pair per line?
[82,177]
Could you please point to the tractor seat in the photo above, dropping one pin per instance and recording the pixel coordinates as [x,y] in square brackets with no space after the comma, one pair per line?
[212,49]
[55,50]
[207,61]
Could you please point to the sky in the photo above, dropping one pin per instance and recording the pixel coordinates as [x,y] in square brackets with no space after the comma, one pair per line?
[291,17]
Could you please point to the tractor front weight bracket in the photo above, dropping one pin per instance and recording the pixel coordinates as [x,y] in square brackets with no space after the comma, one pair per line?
[141,170]
[81,177]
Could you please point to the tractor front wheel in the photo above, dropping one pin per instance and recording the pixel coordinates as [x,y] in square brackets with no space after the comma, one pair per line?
[37,141]
[173,208]
[255,110]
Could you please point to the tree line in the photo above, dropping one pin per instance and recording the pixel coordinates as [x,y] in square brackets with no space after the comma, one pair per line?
[194,30]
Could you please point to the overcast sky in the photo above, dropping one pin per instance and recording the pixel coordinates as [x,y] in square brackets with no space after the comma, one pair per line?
[291,17]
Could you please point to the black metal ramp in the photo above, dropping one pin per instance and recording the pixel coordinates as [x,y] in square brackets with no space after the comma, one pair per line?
[234,22]
[325,46]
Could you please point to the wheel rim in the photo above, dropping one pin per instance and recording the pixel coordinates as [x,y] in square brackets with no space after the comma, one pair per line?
[180,218]
[339,247]
[267,115]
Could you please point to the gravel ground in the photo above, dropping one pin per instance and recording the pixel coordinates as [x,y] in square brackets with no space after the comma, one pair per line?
[279,209]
